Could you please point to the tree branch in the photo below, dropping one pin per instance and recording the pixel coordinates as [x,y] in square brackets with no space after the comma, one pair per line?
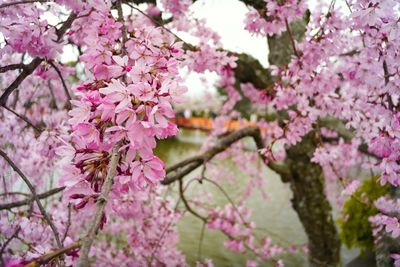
[185,202]
[12,67]
[54,254]
[67,94]
[68,223]
[24,118]
[291,39]
[183,168]
[34,196]
[123,28]
[188,45]
[27,201]
[101,204]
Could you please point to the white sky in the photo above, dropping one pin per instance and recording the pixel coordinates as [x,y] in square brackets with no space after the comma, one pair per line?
[226,17]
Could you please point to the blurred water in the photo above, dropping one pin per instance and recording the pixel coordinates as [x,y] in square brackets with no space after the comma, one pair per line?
[274,215]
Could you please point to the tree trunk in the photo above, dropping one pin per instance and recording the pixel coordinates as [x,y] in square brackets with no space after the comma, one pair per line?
[310,202]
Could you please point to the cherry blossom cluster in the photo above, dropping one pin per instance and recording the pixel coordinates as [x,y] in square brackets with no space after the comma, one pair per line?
[177,7]
[228,221]
[233,222]
[128,102]
[258,97]
[36,235]
[26,31]
[338,159]
[146,228]
[128,93]
[388,219]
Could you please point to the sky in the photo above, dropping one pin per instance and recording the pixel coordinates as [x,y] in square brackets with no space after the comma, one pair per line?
[226,17]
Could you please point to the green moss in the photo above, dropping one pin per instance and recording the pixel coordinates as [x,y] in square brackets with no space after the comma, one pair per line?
[356,230]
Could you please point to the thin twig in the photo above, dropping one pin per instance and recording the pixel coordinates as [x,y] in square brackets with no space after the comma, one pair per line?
[35,197]
[291,39]
[201,241]
[190,46]
[24,118]
[67,94]
[22,2]
[123,28]
[27,201]
[68,223]
[54,254]
[387,79]
[185,202]
[28,70]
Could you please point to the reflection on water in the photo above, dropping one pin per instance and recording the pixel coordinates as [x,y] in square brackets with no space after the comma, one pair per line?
[274,215]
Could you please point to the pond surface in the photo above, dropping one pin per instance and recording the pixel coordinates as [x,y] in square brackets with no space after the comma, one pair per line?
[274,216]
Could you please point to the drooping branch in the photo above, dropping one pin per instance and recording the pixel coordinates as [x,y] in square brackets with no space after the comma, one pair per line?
[100,206]
[292,41]
[183,168]
[30,68]
[24,118]
[67,94]
[28,201]
[186,203]
[68,223]
[157,23]
[34,196]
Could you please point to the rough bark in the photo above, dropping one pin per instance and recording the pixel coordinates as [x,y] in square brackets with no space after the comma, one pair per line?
[309,201]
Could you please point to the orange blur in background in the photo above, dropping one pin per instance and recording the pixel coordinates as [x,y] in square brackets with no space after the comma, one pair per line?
[206,124]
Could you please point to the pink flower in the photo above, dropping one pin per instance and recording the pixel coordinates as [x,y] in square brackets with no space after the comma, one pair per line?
[396,258]
[393,226]
[351,188]
[140,72]
[116,92]
[147,171]
[88,132]
[80,113]
[143,91]
[122,66]
[235,245]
